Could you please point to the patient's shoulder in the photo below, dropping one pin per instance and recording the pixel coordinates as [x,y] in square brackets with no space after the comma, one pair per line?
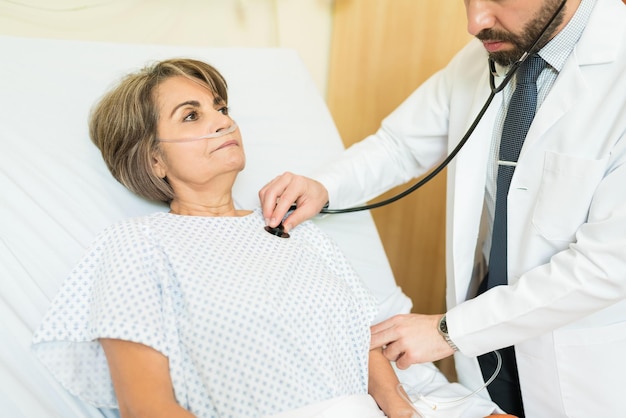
[131,229]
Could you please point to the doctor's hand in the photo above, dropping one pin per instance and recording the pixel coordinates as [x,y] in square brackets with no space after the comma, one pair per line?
[278,195]
[410,339]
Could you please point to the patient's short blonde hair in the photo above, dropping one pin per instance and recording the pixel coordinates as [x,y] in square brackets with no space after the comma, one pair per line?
[123,124]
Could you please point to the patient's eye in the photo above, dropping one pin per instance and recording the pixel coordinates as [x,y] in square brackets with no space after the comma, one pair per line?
[223,110]
[191,116]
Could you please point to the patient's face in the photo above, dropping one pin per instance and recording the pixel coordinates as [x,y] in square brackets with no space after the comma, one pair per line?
[189,110]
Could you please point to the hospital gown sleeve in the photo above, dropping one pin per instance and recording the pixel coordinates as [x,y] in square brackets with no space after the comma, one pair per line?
[115,291]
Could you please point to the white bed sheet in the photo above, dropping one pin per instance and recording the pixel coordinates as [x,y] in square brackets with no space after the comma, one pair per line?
[56,193]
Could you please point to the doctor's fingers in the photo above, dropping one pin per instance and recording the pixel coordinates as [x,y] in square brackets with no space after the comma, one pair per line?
[308,204]
[269,196]
[406,360]
[386,332]
[274,197]
[285,190]
[402,353]
[393,351]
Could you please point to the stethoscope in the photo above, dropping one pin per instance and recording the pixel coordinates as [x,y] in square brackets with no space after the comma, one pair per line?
[279,230]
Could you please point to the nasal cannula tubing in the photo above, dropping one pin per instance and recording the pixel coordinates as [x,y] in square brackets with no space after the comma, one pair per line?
[494,90]
[217,134]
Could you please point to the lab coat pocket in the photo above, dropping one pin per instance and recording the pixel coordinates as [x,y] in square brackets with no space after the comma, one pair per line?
[567,187]
[590,364]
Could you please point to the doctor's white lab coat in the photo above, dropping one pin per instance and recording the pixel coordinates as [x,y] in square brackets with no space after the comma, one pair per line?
[565,306]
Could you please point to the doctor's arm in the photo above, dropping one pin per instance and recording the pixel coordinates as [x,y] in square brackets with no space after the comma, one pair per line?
[365,170]
[410,141]
[141,380]
[580,281]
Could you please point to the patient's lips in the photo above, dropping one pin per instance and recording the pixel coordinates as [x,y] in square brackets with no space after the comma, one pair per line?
[227,144]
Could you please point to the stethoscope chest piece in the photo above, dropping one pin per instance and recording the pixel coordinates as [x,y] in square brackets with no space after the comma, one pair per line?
[279,231]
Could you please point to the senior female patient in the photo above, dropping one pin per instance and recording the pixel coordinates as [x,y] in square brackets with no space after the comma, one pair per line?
[201,311]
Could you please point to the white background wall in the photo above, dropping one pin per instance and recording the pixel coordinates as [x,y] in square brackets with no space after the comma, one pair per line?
[304,25]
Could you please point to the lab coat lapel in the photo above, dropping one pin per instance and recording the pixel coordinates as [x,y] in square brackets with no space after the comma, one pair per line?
[569,88]
[571,85]
[467,179]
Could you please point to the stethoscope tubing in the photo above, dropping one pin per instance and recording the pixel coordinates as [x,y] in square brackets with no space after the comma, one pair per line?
[494,90]
[430,175]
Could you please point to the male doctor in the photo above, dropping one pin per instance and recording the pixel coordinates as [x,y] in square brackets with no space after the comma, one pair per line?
[558,313]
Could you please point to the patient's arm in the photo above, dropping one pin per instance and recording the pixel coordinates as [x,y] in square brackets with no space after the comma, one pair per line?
[383,386]
[141,379]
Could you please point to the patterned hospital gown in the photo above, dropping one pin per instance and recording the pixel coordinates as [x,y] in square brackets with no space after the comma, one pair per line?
[252,324]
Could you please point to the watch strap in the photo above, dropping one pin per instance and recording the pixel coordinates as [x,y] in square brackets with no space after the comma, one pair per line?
[443,331]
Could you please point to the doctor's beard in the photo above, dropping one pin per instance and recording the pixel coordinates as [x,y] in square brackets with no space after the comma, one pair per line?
[524,40]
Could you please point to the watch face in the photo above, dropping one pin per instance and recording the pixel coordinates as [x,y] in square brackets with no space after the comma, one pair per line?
[443,326]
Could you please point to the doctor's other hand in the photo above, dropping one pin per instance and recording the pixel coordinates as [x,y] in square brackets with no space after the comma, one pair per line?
[278,195]
[410,338]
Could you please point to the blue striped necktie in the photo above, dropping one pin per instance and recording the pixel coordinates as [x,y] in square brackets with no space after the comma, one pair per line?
[518,119]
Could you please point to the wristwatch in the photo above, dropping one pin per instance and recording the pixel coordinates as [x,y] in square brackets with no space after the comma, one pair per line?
[443,331]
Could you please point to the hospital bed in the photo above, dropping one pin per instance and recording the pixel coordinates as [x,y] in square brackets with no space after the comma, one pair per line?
[56,193]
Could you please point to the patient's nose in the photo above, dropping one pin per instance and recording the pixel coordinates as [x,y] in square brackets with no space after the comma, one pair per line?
[222,122]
